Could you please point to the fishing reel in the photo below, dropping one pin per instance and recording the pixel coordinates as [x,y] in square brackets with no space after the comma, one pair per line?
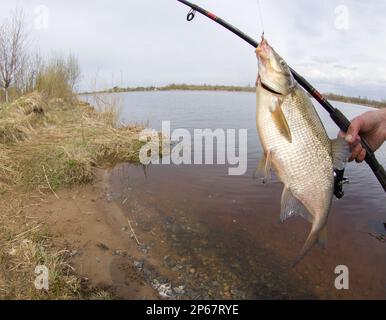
[339,181]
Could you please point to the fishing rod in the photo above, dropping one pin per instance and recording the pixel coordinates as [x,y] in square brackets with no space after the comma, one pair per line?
[336,115]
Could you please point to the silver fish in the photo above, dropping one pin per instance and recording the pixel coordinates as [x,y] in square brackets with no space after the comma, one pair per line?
[296,146]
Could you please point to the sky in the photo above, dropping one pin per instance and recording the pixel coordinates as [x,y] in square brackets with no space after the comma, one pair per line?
[339,46]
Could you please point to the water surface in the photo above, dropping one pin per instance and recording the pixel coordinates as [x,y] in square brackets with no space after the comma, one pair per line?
[238,217]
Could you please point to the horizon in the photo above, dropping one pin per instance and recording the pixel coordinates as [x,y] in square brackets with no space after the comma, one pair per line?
[102,90]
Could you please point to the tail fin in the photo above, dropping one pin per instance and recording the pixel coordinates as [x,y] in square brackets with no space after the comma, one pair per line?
[314,237]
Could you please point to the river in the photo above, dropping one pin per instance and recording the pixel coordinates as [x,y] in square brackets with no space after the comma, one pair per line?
[229,225]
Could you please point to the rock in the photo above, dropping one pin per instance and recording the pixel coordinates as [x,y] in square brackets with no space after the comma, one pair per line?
[144,248]
[179,290]
[138,265]
[74,253]
[169,262]
[237,294]
[102,246]
[227,295]
[147,226]
[165,291]
[118,253]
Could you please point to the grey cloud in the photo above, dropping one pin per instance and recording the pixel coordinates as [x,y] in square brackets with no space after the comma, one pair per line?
[146,42]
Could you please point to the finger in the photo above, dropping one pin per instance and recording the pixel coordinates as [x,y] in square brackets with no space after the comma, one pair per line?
[342,134]
[353,130]
[355,152]
[361,157]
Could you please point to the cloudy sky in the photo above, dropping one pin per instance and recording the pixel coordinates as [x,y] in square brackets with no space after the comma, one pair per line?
[337,45]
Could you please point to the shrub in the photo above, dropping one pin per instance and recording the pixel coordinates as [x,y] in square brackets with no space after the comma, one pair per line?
[58,78]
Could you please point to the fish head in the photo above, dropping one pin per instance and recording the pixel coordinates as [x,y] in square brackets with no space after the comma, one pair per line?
[274,73]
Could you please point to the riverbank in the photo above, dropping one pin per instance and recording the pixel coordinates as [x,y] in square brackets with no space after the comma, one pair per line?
[46,147]
[187,87]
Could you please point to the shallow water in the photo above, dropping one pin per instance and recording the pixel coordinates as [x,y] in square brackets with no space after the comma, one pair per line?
[238,217]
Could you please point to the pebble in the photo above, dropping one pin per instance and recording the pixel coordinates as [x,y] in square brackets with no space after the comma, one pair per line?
[144,248]
[74,253]
[138,265]
[102,246]
[118,253]
[179,290]
[168,261]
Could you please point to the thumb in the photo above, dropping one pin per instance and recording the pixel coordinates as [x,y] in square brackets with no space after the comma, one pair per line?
[353,130]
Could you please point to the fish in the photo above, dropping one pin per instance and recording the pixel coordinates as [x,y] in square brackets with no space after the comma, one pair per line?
[296,146]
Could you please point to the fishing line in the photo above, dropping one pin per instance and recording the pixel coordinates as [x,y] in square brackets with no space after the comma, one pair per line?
[261,16]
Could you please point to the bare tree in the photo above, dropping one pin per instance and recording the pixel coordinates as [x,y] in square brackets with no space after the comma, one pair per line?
[25,79]
[13,37]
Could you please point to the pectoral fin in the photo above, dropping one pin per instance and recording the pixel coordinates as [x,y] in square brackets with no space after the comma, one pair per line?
[340,153]
[280,120]
[264,168]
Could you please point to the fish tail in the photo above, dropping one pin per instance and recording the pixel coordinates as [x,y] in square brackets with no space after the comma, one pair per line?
[314,237]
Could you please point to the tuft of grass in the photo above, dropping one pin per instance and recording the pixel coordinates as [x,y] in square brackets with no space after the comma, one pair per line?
[58,77]
[19,118]
[71,139]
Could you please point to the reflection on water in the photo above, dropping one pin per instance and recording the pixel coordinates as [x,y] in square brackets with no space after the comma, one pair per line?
[241,216]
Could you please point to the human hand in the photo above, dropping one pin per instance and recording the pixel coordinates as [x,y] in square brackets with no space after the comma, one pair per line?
[372,127]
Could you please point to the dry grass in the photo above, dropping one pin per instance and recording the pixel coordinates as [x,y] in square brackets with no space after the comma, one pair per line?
[45,146]
[18,118]
[68,142]
[24,244]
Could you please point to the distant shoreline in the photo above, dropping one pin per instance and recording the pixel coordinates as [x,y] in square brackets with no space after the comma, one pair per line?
[188,87]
